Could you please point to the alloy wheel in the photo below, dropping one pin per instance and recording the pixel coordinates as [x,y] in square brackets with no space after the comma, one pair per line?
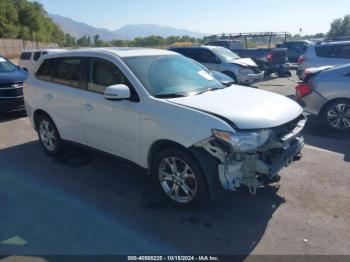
[338,116]
[47,135]
[177,179]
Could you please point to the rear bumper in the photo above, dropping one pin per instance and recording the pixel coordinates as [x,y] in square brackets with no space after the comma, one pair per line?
[275,67]
[11,104]
[313,103]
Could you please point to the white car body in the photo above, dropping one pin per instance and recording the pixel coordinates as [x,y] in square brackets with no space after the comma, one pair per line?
[29,58]
[129,129]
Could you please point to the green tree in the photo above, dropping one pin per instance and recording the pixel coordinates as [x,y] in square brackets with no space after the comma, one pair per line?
[8,20]
[340,27]
[85,41]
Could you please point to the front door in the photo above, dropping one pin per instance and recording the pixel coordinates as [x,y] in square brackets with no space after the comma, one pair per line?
[111,126]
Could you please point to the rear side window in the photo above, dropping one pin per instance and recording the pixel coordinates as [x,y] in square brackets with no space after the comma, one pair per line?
[201,55]
[103,74]
[333,51]
[36,56]
[67,71]
[45,70]
[26,56]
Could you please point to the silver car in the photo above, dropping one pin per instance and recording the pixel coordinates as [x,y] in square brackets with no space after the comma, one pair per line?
[324,54]
[242,70]
[326,93]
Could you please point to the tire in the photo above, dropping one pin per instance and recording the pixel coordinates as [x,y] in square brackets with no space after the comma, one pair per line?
[179,177]
[49,137]
[337,115]
[232,75]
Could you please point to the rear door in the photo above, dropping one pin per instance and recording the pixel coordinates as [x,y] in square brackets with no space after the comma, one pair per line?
[111,126]
[62,97]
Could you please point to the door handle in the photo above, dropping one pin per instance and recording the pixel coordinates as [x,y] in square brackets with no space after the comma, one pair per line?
[49,97]
[88,107]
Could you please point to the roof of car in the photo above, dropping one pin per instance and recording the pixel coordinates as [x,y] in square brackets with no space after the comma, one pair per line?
[334,43]
[56,50]
[120,51]
[194,47]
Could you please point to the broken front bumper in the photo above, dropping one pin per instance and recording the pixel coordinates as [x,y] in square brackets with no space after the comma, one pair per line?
[254,169]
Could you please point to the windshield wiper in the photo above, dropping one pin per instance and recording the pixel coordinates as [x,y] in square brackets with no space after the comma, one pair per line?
[171,95]
[209,89]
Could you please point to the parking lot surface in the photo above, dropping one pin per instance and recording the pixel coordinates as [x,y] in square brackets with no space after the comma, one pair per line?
[88,203]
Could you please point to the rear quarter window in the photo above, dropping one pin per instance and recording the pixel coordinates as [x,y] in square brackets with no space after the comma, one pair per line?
[26,56]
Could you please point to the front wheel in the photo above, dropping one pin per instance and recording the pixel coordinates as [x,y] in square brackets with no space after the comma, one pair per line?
[180,177]
[337,115]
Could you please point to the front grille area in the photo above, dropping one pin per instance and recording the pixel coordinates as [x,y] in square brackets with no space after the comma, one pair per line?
[11,90]
[255,69]
[283,130]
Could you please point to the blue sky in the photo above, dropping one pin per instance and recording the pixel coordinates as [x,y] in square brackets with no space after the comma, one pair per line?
[206,16]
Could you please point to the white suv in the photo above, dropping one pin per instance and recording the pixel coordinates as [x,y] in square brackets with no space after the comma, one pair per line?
[166,114]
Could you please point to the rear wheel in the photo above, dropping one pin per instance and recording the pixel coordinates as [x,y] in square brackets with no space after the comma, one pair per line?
[180,177]
[337,115]
[49,136]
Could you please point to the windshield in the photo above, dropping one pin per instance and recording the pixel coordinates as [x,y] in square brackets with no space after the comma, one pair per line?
[6,66]
[225,54]
[171,75]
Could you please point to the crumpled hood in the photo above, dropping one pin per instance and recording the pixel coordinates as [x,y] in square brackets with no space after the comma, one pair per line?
[244,62]
[246,107]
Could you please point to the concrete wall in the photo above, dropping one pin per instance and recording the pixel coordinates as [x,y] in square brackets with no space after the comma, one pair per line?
[13,47]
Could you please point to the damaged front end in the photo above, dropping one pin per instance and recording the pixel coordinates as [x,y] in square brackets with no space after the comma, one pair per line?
[252,158]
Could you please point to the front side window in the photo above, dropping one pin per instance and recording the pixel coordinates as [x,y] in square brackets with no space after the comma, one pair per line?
[171,75]
[6,66]
[104,74]
[45,70]
[67,72]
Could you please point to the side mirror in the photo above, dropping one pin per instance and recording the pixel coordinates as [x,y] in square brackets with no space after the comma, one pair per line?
[117,92]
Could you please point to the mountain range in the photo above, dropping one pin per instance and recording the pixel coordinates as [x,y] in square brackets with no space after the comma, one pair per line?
[127,32]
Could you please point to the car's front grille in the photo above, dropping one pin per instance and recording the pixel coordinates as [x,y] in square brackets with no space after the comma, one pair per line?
[11,90]
[285,129]
[255,69]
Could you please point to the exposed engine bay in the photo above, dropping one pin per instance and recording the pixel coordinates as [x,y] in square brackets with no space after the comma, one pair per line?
[254,168]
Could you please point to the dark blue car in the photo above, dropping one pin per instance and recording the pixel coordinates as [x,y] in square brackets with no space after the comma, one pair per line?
[11,86]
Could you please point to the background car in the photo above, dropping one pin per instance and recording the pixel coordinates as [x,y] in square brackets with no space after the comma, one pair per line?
[269,59]
[11,86]
[322,54]
[242,70]
[326,93]
[294,49]
[29,57]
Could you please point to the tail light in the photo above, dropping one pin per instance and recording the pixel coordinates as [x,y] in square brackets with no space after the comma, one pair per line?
[269,57]
[301,60]
[302,90]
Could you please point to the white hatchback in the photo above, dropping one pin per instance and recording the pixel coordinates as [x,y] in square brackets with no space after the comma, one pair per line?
[167,115]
